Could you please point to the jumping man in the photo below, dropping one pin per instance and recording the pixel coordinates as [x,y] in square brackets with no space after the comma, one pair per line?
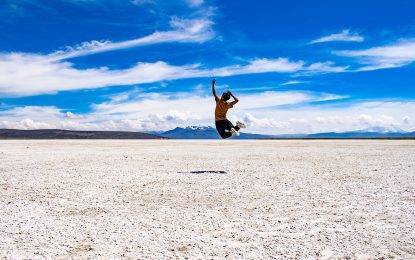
[224,127]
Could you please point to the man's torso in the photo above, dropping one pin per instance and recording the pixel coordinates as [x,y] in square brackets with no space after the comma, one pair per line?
[221,110]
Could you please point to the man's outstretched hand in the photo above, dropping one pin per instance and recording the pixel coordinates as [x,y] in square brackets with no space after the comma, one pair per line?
[213,89]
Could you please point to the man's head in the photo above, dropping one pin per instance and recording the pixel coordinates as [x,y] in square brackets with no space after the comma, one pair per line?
[226,95]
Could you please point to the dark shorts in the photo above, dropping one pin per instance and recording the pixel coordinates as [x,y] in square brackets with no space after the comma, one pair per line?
[223,127]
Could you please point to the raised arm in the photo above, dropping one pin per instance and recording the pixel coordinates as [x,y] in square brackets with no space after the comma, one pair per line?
[213,89]
[235,100]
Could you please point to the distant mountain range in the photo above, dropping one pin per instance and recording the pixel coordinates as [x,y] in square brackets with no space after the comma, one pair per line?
[67,134]
[363,134]
[207,132]
[202,132]
[191,132]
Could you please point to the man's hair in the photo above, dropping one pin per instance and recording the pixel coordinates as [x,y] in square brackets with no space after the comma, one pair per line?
[226,95]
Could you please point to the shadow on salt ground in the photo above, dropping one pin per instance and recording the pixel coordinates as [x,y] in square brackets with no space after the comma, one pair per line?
[200,172]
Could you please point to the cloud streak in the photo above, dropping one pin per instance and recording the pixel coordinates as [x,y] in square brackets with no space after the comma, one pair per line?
[195,3]
[343,36]
[28,74]
[394,55]
[183,30]
[292,82]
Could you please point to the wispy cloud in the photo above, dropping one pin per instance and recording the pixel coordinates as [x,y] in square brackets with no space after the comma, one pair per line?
[183,30]
[194,3]
[142,2]
[260,66]
[190,3]
[25,75]
[324,67]
[292,82]
[394,55]
[28,74]
[344,36]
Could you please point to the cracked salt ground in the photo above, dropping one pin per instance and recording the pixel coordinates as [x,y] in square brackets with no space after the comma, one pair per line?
[278,199]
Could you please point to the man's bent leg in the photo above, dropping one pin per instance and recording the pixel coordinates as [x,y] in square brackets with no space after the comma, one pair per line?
[226,135]
[221,127]
[229,126]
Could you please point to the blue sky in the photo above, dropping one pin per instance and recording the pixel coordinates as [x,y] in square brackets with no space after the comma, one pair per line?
[138,65]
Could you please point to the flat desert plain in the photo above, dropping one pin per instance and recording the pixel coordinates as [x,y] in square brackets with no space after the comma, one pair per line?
[152,199]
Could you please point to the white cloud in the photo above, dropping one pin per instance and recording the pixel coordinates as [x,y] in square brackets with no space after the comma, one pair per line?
[183,30]
[385,116]
[344,36]
[252,121]
[25,124]
[388,56]
[406,120]
[194,3]
[37,117]
[292,82]
[190,3]
[325,67]
[142,2]
[321,68]
[163,112]
[262,112]
[28,74]
[73,116]
[24,75]
[267,112]
[260,66]
[30,117]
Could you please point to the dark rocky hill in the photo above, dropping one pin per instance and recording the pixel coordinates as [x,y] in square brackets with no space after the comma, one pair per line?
[68,134]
